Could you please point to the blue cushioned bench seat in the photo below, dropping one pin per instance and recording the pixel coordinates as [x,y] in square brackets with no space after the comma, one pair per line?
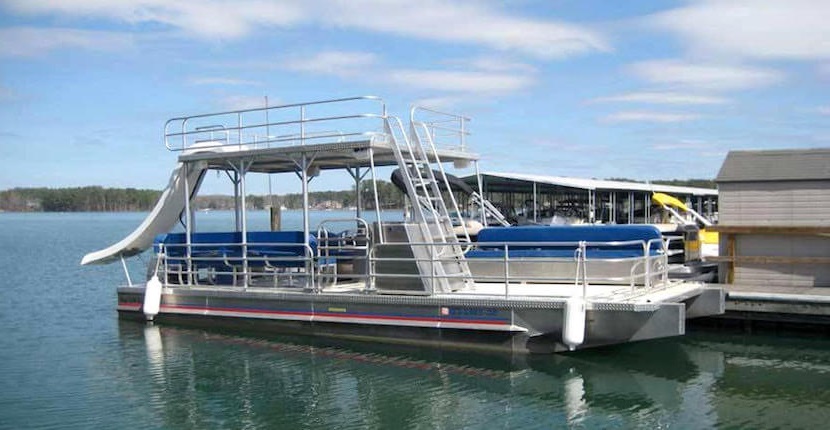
[541,241]
[271,248]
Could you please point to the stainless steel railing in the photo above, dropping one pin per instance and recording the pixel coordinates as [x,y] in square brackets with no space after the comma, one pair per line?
[352,118]
[447,130]
[642,273]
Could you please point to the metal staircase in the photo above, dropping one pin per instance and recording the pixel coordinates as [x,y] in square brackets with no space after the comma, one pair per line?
[489,210]
[441,255]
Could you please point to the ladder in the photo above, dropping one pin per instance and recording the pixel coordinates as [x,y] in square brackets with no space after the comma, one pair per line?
[446,269]
[488,209]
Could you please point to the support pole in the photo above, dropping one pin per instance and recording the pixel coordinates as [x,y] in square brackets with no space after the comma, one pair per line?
[481,194]
[375,189]
[535,218]
[236,214]
[357,198]
[188,231]
[243,171]
[304,164]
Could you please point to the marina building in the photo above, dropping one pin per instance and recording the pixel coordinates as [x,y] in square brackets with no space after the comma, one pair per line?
[775,218]
[544,199]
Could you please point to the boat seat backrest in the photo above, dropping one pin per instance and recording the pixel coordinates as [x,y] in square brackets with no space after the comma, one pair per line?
[562,240]
[290,242]
[229,244]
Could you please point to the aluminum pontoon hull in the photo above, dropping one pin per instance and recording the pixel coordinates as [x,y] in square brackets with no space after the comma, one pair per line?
[516,325]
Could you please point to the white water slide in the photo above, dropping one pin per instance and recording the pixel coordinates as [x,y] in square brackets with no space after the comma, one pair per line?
[160,220]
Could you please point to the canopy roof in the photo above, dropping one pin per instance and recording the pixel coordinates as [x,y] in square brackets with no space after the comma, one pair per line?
[506,179]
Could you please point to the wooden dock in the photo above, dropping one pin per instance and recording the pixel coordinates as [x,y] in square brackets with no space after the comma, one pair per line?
[806,308]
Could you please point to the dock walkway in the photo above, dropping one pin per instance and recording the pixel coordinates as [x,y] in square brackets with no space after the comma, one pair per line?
[805,305]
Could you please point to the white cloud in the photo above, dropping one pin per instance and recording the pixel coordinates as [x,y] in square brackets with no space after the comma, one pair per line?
[439,103]
[491,64]
[823,110]
[212,19]
[467,22]
[682,144]
[336,63]
[712,77]
[760,29]
[238,102]
[459,81]
[648,116]
[33,41]
[355,64]
[221,81]
[663,97]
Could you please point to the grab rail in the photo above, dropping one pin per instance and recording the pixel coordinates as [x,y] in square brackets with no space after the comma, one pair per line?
[648,269]
[443,124]
[181,133]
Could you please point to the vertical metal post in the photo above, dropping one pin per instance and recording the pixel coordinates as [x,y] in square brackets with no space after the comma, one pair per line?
[481,194]
[304,178]
[357,198]
[236,213]
[243,171]
[268,141]
[506,273]
[302,125]
[584,257]
[187,227]
[592,206]
[375,190]
[463,136]
[534,202]
[239,128]
[647,281]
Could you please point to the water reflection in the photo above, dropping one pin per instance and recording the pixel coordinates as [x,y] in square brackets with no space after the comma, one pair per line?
[198,378]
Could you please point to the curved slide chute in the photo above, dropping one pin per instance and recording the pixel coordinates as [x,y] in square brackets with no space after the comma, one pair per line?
[160,220]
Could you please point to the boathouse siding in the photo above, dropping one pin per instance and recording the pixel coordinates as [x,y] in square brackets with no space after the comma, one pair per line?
[775,218]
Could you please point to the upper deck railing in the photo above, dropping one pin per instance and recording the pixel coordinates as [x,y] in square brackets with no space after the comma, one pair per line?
[446,130]
[325,121]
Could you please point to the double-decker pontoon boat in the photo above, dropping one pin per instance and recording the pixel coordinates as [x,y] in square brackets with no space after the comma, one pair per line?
[522,289]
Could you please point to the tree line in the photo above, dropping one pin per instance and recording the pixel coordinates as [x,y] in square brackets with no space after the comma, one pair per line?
[79,199]
[99,199]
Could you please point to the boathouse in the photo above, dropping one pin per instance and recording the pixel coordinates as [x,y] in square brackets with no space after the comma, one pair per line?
[539,197]
[775,218]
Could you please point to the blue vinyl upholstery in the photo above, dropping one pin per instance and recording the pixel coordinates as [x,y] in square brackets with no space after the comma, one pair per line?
[561,241]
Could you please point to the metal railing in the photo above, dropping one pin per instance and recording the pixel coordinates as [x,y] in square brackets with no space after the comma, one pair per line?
[447,130]
[395,264]
[333,250]
[282,125]
[235,264]
[641,273]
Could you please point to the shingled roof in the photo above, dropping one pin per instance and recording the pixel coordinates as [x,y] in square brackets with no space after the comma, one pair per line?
[778,165]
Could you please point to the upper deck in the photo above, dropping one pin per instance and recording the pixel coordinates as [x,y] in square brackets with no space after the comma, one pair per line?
[335,134]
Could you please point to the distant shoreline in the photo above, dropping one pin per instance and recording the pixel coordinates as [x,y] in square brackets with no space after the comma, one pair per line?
[99,199]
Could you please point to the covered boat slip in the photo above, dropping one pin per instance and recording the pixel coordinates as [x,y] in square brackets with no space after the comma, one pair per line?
[546,199]
[415,280]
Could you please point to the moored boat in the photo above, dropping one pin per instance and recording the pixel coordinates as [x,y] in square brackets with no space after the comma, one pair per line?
[416,280]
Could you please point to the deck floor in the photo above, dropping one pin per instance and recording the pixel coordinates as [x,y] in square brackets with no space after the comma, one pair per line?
[527,291]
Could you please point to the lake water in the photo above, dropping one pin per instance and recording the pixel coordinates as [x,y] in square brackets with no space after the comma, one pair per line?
[66,361]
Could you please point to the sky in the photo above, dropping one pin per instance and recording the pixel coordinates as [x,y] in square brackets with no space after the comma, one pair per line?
[586,88]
